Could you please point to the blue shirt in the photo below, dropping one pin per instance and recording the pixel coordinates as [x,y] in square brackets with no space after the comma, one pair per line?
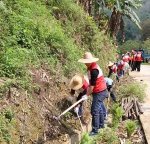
[108,81]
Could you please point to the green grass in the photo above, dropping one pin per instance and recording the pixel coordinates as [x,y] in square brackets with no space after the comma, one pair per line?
[145,64]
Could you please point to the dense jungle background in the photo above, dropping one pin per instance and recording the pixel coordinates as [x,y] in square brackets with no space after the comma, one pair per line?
[40,43]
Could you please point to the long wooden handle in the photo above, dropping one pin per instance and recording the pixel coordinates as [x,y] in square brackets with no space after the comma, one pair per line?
[70,107]
[80,122]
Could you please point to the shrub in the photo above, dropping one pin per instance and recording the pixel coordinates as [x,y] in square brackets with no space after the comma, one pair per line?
[6,124]
[108,136]
[117,113]
[130,127]
[86,139]
[136,89]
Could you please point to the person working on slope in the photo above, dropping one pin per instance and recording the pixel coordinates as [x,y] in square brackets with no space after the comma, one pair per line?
[79,83]
[109,83]
[97,88]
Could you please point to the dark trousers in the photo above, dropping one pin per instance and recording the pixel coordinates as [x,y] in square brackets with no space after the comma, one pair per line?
[138,65]
[78,98]
[121,72]
[130,63]
[97,111]
[111,92]
[133,65]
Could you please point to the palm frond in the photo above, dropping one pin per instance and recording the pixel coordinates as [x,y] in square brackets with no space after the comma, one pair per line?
[118,6]
[127,8]
[132,18]
[133,3]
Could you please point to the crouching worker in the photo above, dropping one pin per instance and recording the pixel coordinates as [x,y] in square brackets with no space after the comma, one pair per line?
[79,83]
[113,69]
[109,83]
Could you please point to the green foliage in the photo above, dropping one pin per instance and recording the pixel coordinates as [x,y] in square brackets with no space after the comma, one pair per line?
[13,62]
[131,31]
[146,45]
[86,139]
[144,11]
[128,46]
[126,8]
[31,35]
[135,89]
[117,113]
[6,124]
[130,127]
[108,136]
[146,29]
[9,114]
[67,115]
[131,15]
[56,32]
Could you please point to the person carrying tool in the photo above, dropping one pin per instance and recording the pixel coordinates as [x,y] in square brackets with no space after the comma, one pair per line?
[109,83]
[79,83]
[97,88]
[113,69]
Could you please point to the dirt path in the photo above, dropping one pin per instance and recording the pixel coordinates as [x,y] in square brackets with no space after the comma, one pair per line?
[144,77]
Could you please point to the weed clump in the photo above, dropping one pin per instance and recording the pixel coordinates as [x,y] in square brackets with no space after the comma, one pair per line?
[117,113]
[130,127]
[135,89]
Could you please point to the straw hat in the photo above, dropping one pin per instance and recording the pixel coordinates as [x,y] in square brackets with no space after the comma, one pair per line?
[110,63]
[88,58]
[77,82]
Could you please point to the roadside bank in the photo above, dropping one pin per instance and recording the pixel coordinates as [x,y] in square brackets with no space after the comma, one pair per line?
[144,77]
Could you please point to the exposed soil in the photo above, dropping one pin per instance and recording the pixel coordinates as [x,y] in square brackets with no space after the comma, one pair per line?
[50,97]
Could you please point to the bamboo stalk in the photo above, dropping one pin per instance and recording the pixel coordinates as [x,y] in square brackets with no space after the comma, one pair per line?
[136,109]
[139,107]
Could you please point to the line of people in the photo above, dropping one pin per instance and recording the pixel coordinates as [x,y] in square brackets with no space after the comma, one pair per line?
[97,86]
[134,59]
[122,66]
[119,69]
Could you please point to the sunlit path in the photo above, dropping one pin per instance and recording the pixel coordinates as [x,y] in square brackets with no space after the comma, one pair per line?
[144,77]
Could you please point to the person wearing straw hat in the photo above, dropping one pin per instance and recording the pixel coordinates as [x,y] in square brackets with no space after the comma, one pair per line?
[79,83]
[113,69]
[97,88]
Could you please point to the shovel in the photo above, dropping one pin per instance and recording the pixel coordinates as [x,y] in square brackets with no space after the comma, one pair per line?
[58,117]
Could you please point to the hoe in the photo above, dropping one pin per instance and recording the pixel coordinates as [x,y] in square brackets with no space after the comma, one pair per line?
[59,117]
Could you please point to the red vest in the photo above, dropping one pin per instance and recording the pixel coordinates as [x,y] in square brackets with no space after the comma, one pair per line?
[138,57]
[113,68]
[133,56]
[100,82]
[86,83]
[121,65]
[126,58]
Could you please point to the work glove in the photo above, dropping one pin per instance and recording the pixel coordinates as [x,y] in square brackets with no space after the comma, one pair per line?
[71,98]
[76,109]
[85,97]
